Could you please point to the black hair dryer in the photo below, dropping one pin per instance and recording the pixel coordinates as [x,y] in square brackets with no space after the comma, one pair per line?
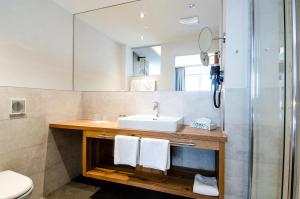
[217,78]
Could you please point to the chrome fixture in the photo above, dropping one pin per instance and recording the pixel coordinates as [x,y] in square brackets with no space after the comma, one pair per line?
[109,137]
[191,5]
[156,108]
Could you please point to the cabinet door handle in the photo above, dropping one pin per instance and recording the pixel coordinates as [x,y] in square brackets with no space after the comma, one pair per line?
[182,144]
[105,136]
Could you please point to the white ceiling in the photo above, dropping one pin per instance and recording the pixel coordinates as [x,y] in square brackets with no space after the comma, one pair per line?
[75,6]
[160,25]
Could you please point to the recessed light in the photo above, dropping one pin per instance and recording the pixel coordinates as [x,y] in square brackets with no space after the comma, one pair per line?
[191,5]
[189,20]
[142,15]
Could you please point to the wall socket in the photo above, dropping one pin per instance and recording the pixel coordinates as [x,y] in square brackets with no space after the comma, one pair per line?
[17,106]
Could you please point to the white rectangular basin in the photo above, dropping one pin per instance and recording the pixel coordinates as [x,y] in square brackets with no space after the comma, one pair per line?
[151,123]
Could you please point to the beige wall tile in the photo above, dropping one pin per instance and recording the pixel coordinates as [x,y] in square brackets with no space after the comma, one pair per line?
[28,146]
[25,142]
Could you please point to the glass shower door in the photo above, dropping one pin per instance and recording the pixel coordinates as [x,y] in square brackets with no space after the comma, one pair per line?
[268,99]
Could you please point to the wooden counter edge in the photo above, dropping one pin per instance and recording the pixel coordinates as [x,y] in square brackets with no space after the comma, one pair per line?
[200,136]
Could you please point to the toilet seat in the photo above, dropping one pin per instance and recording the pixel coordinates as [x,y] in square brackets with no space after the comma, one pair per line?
[14,185]
[27,194]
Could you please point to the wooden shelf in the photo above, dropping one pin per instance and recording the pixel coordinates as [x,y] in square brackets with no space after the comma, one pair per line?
[98,154]
[176,185]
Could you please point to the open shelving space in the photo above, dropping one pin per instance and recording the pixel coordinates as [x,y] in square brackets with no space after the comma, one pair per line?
[98,164]
[172,184]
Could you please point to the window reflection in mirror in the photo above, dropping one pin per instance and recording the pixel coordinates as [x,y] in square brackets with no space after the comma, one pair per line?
[191,74]
[146,61]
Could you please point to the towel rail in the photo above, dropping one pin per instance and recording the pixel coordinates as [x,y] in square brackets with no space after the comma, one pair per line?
[106,136]
[172,143]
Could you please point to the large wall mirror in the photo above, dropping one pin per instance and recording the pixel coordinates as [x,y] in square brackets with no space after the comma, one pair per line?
[147,45]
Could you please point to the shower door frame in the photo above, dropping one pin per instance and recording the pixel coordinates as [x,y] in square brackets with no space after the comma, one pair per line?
[291,160]
[293,42]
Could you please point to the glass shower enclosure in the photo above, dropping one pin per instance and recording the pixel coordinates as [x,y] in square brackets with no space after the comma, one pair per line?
[268,99]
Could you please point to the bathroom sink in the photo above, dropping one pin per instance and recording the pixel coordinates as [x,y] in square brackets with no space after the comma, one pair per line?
[151,123]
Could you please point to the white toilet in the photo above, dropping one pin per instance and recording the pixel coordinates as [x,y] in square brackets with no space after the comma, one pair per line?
[15,186]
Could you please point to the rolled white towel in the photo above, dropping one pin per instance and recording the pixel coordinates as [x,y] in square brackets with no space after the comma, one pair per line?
[205,185]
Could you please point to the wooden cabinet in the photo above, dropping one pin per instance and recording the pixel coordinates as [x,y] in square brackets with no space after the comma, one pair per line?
[98,146]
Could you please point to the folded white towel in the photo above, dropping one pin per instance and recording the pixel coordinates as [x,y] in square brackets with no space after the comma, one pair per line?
[126,150]
[206,185]
[143,85]
[155,154]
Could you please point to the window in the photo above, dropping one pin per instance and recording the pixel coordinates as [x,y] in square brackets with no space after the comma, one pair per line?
[146,61]
[195,77]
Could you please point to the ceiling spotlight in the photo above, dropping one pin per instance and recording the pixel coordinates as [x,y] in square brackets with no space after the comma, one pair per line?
[191,5]
[142,15]
[189,20]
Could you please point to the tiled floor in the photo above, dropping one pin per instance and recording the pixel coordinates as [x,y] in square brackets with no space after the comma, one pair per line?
[78,190]
[74,190]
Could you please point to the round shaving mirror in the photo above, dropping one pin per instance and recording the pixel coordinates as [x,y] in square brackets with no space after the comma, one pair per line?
[205,39]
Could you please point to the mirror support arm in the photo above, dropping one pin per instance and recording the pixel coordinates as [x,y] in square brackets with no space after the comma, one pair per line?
[220,38]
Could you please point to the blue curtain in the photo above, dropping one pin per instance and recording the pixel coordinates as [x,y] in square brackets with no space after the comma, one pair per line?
[180,79]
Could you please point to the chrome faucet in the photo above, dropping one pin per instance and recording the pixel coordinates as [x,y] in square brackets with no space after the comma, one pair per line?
[156,108]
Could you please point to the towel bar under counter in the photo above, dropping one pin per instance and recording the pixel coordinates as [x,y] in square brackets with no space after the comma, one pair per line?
[172,143]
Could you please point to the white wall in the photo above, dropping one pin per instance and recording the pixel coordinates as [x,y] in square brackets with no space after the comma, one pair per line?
[35,45]
[236,97]
[237,43]
[99,63]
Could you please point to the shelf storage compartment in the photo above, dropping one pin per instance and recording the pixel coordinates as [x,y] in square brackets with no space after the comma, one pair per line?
[178,181]
[98,163]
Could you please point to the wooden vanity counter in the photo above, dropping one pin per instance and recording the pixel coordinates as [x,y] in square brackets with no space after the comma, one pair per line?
[207,139]
[176,184]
